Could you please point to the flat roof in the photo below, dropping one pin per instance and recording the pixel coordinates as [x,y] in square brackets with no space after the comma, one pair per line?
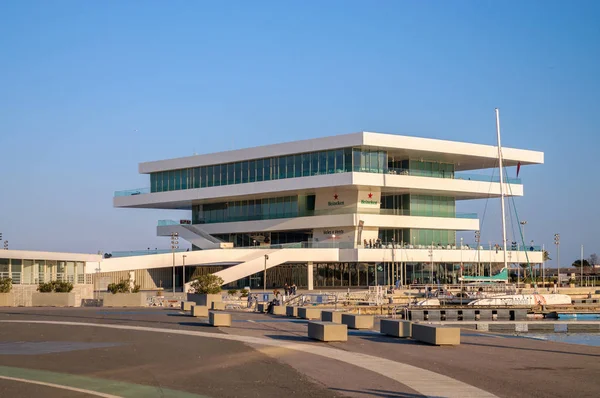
[39,255]
[465,156]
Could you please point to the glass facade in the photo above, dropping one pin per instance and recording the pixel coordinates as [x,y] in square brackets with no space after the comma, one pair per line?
[419,237]
[275,168]
[247,210]
[268,238]
[24,271]
[420,205]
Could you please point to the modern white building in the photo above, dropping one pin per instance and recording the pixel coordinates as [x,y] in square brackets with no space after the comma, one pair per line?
[349,210]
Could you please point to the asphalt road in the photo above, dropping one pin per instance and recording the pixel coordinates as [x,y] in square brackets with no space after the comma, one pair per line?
[136,363]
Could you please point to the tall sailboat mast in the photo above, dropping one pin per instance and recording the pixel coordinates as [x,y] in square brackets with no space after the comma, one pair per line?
[501,187]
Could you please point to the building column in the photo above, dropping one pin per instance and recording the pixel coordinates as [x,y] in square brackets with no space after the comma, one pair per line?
[310,275]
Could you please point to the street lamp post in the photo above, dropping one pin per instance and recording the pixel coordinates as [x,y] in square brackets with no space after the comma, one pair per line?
[265,274]
[174,245]
[557,243]
[477,240]
[183,283]
[581,266]
[431,258]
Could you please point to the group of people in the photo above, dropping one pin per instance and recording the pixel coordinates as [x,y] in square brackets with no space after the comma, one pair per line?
[372,244]
[290,290]
[278,298]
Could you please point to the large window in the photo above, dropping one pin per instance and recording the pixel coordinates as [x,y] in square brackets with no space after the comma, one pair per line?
[278,167]
[246,210]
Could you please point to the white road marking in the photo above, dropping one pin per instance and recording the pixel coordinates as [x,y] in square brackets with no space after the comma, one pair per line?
[423,381]
[41,383]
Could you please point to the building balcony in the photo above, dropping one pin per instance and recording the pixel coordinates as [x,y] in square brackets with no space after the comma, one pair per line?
[388,171]
[348,218]
[313,213]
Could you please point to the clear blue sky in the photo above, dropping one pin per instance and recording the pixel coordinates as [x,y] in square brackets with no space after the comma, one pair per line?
[90,89]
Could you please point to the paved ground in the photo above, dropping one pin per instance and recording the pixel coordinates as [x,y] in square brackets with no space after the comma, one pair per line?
[157,352]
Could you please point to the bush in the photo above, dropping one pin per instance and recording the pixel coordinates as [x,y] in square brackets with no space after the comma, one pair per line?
[232,292]
[5,285]
[63,287]
[244,292]
[46,287]
[123,287]
[207,284]
[55,286]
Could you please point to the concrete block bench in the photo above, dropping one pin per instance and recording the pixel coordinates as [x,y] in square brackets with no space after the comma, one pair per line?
[436,335]
[219,318]
[396,327]
[199,310]
[358,321]
[217,306]
[279,310]
[187,305]
[262,307]
[331,316]
[291,311]
[327,331]
[309,313]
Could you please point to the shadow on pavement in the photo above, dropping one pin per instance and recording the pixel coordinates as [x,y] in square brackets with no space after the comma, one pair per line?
[531,349]
[201,324]
[392,340]
[380,393]
[288,338]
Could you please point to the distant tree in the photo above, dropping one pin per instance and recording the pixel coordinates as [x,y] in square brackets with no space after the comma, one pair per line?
[577,263]
[594,260]
[546,256]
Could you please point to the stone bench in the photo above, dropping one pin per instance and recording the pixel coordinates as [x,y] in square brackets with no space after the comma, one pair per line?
[327,331]
[358,321]
[396,327]
[217,306]
[279,310]
[436,335]
[331,316]
[291,311]
[219,318]
[187,305]
[309,313]
[199,310]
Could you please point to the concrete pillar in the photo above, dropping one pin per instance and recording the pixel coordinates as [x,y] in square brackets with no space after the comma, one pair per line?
[310,275]
[131,279]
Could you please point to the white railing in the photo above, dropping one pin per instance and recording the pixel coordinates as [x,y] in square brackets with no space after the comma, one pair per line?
[44,277]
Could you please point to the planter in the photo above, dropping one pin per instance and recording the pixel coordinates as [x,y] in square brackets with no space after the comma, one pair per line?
[571,285]
[204,299]
[125,300]
[53,299]
[6,300]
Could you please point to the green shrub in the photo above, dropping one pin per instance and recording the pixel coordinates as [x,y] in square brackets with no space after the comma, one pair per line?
[55,286]
[5,285]
[232,292]
[46,287]
[207,284]
[244,292]
[63,287]
[123,287]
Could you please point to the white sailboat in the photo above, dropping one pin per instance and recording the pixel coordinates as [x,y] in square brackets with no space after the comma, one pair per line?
[515,299]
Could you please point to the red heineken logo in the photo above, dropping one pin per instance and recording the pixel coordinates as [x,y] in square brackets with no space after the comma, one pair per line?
[370,195]
[335,196]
